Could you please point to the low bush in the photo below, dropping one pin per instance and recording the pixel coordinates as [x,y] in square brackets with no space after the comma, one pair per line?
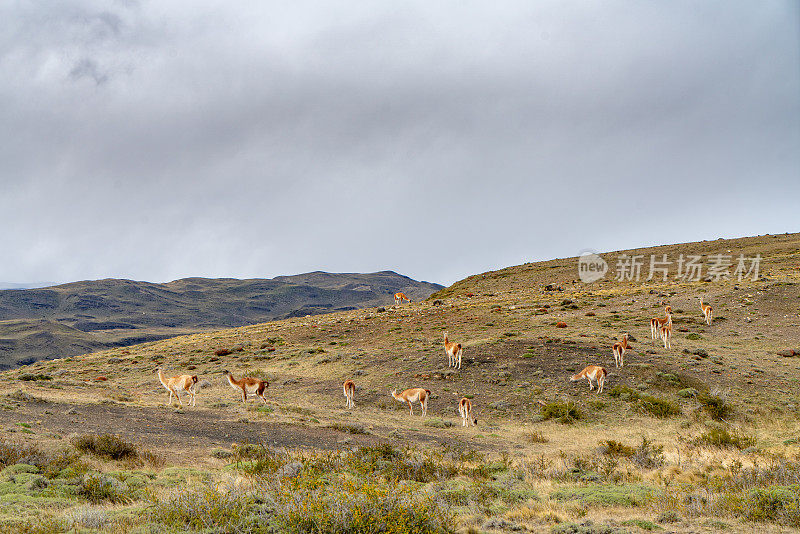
[720,437]
[563,412]
[98,488]
[714,406]
[109,446]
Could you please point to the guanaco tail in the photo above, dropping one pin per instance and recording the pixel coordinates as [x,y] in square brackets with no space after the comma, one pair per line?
[619,349]
[176,384]
[453,351]
[247,385]
[349,388]
[465,410]
[414,395]
[592,373]
[707,311]
[656,323]
[399,297]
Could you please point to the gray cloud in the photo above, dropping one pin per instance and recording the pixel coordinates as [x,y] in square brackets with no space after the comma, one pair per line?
[156,140]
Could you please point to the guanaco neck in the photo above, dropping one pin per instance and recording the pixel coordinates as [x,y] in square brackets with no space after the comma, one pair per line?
[161,377]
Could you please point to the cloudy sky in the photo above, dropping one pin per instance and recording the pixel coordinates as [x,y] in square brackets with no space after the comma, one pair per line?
[156,140]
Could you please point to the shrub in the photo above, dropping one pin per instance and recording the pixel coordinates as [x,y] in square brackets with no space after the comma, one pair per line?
[355,506]
[607,495]
[774,503]
[97,488]
[716,407]
[349,429]
[615,448]
[87,517]
[563,412]
[657,407]
[34,377]
[109,446]
[210,508]
[647,455]
[720,437]
[12,453]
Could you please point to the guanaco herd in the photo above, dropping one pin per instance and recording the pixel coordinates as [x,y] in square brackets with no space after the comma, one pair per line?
[594,374]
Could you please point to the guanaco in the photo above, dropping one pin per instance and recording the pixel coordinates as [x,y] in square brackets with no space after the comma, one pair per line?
[666,334]
[399,297]
[176,384]
[619,349]
[657,322]
[453,351]
[707,312]
[592,373]
[465,410]
[349,388]
[248,384]
[414,395]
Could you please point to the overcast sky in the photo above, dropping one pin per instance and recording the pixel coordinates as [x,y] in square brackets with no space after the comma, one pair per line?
[157,140]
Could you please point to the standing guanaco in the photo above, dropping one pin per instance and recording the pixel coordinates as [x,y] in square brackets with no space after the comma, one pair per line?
[707,311]
[465,410]
[666,334]
[247,385]
[349,388]
[414,395]
[592,372]
[657,322]
[399,297]
[176,384]
[453,351]
[619,349]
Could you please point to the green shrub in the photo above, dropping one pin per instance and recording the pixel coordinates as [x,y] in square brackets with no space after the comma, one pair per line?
[32,377]
[563,412]
[716,407]
[774,503]
[97,488]
[720,437]
[210,508]
[615,448]
[647,455]
[109,446]
[657,407]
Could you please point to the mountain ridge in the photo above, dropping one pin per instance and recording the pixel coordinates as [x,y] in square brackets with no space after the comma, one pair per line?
[83,316]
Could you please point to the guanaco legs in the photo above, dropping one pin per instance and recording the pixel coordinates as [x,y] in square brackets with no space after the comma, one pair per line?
[707,311]
[465,410]
[400,297]
[619,349]
[666,334]
[592,373]
[176,384]
[453,351]
[656,323]
[414,395]
[247,385]
[349,388]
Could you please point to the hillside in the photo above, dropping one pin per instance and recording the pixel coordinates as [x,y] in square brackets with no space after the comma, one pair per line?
[80,317]
[701,437]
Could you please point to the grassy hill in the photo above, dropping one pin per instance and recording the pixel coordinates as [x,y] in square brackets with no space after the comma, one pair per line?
[82,317]
[702,437]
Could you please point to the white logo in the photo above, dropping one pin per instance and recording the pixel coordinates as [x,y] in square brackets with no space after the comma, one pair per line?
[591,267]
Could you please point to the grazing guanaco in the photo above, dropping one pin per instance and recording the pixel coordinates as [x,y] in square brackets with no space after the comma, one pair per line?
[248,384]
[666,334]
[465,410]
[453,351]
[349,388]
[176,384]
[414,395]
[707,311]
[399,297]
[592,373]
[657,322]
[619,349]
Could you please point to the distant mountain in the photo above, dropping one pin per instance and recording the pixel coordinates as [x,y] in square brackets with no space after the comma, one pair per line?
[29,285]
[82,317]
